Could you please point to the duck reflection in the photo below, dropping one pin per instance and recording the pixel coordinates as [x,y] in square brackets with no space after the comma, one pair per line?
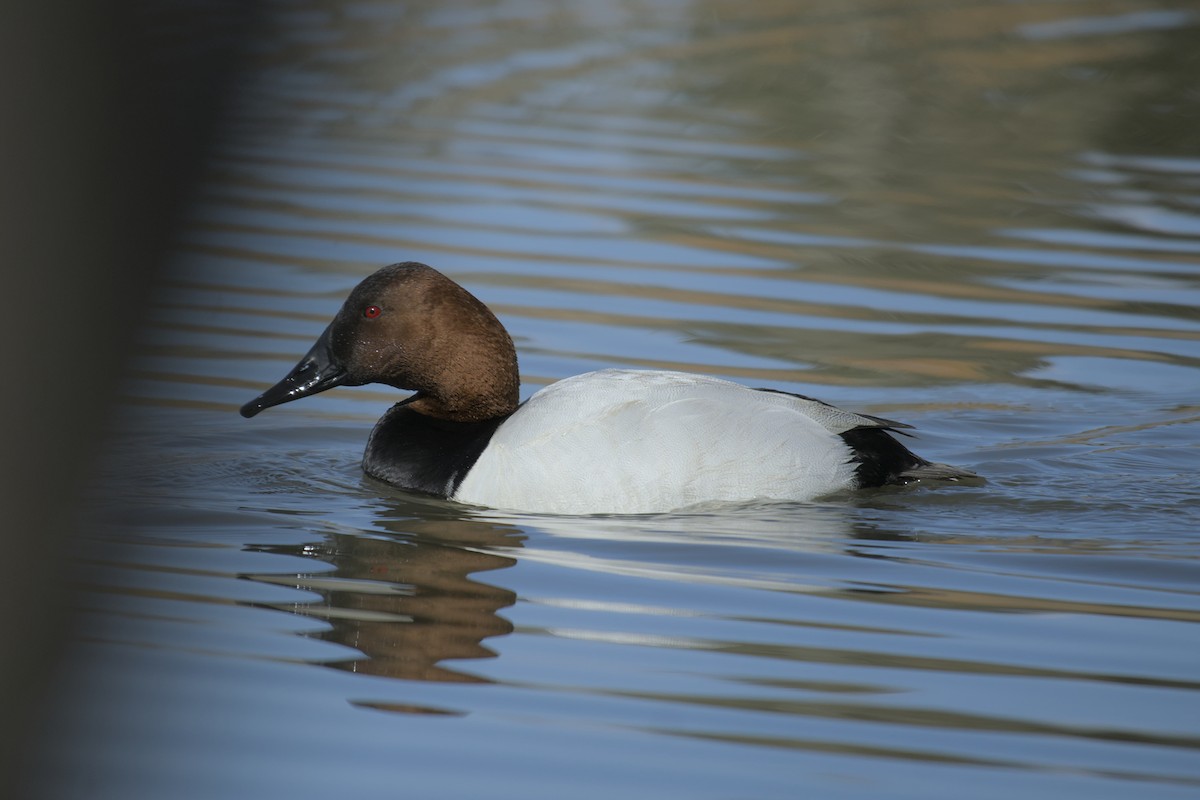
[401,593]
[406,595]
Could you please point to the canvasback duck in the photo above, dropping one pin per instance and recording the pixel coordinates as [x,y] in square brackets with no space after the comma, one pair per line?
[614,441]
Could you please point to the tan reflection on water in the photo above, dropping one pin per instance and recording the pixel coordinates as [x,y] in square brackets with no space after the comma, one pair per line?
[411,603]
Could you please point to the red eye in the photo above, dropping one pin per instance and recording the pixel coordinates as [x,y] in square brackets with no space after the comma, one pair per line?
[371,312]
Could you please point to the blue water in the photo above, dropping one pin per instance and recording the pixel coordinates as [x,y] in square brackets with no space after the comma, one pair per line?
[981,219]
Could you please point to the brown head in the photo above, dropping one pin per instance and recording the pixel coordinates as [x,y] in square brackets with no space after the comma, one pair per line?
[411,327]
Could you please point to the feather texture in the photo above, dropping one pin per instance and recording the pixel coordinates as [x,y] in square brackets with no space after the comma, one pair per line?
[629,441]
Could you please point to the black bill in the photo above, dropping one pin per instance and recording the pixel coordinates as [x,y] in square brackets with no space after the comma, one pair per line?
[317,371]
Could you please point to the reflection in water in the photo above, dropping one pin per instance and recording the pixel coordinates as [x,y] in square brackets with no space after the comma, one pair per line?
[403,596]
[407,596]
[410,599]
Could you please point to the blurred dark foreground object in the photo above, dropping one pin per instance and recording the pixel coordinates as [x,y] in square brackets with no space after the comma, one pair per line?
[108,110]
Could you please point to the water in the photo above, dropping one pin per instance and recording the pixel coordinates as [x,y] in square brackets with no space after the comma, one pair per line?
[980,218]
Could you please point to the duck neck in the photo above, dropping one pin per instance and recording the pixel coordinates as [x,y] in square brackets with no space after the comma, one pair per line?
[461,408]
[472,382]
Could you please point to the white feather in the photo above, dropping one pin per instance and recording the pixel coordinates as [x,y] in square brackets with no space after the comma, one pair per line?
[626,441]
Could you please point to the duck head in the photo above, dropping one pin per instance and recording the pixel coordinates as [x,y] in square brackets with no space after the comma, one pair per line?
[411,327]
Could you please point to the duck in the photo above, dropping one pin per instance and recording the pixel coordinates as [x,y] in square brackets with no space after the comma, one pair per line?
[614,441]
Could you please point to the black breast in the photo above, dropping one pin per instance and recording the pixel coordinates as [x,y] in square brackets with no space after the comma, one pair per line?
[417,452]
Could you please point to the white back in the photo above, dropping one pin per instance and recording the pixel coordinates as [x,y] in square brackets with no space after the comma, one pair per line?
[627,441]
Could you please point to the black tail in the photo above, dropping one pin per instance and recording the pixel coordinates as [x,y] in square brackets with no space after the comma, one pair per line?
[882,461]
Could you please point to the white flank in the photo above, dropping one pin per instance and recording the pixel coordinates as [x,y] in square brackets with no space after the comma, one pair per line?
[630,442]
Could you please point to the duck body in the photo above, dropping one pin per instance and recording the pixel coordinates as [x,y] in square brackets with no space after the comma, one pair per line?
[614,441]
[648,441]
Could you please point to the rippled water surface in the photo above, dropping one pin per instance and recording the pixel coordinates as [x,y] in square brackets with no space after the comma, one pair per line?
[982,218]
